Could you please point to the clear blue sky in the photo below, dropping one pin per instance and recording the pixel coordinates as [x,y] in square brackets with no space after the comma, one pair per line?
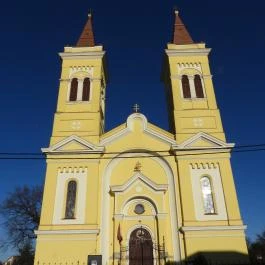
[134,34]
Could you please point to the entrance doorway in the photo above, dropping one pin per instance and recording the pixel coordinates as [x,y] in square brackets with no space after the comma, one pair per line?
[141,248]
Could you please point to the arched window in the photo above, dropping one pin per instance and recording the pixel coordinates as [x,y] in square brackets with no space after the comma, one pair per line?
[207,195]
[86,89]
[185,86]
[198,86]
[73,89]
[70,200]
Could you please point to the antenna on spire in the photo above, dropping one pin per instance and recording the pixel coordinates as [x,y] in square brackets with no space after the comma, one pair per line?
[89,13]
[176,10]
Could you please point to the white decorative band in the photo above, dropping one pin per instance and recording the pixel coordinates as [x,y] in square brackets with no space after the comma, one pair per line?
[189,51]
[212,228]
[66,232]
[77,55]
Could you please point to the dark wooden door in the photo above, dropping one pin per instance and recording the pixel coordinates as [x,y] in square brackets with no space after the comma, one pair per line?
[140,247]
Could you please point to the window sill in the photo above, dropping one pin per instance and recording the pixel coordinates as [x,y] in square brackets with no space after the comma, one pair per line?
[195,99]
[77,102]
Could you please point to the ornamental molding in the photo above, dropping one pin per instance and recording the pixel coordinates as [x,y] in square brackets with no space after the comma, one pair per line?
[66,232]
[129,128]
[188,52]
[206,165]
[178,77]
[85,146]
[216,143]
[212,228]
[84,55]
[138,176]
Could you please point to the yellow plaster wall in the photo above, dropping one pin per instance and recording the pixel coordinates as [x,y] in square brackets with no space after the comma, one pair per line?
[72,247]
[65,249]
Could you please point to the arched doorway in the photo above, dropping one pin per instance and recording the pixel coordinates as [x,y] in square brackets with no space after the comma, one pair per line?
[140,247]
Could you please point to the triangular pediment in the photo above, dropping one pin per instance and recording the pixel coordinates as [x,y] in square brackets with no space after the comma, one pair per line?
[201,141]
[135,179]
[138,120]
[73,144]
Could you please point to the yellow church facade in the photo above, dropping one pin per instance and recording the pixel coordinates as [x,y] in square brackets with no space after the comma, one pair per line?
[138,194]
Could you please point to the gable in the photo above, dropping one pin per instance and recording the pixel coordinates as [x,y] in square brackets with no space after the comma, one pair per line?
[73,144]
[136,179]
[203,140]
[138,122]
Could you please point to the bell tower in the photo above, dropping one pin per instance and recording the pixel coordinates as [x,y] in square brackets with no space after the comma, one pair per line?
[189,88]
[81,100]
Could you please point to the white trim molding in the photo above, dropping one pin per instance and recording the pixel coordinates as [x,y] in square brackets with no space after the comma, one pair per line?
[188,52]
[141,177]
[67,232]
[63,177]
[211,171]
[189,144]
[85,146]
[212,228]
[75,55]
[105,236]
[146,130]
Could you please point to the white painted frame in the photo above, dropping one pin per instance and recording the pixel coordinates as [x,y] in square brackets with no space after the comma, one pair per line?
[213,173]
[63,177]
[105,201]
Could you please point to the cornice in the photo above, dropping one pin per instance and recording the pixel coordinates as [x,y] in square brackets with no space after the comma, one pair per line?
[188,52]
[88,147]
[129,128]
[180,76]
[84,55]
[212,228]
[216,143]
[66,232]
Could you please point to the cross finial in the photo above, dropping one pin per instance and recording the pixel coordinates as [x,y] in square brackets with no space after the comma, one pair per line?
[137,167]
[136,108]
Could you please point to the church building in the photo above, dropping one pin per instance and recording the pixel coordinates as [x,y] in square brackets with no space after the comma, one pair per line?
[137,194]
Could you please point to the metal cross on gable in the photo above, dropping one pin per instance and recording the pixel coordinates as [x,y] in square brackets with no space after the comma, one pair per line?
[136,108]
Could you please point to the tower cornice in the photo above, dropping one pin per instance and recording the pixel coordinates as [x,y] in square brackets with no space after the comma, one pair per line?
[84,54]
[188,52]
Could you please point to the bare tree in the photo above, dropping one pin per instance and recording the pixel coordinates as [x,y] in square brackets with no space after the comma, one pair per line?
[257,249]
[21,214]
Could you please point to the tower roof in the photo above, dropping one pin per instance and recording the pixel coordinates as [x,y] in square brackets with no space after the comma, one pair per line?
[181,35]
[86,38]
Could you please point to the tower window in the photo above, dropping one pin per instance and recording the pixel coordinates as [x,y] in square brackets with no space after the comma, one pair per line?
[198,86]
[73,89]
[86,89]
[185,86]
[207,195]
[70,200]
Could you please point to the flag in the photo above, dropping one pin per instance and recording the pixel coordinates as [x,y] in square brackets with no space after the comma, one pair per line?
[119,236]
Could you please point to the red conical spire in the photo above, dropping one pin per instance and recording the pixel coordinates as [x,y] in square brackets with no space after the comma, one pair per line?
[181,34]
[87,36]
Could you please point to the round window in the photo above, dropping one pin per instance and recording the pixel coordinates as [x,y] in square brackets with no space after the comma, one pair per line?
[139,209]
